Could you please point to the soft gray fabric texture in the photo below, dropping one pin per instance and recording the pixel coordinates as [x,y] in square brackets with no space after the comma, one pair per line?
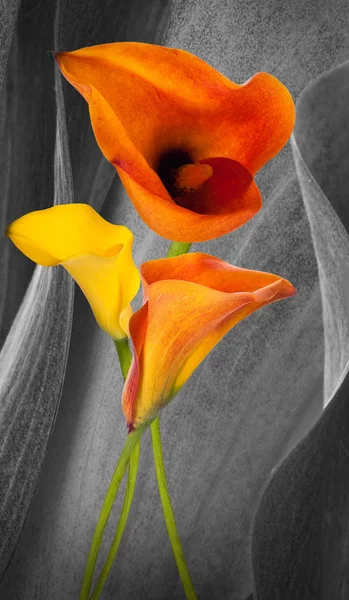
[300,534]
[32,368]
[8,17]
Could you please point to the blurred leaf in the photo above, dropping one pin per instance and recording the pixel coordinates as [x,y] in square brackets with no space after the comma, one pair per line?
[27,138]
[8,22]
[321,147]
[301,533]
[32,368]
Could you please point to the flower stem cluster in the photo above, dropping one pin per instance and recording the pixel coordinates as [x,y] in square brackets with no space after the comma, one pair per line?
[186,143]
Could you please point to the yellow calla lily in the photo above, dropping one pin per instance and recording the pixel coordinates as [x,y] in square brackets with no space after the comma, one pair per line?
[190,303]
[97,254]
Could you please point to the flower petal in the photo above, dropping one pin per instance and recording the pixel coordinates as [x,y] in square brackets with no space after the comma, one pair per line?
[149,103]
[175,222]
[191,302]
[211,272]
[97,254]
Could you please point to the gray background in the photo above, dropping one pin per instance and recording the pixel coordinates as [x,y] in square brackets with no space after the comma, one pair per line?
[257,393]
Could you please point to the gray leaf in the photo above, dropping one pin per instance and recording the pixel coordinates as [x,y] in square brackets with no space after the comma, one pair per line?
[300,536]
[27,134]
[32,368]
[8,18]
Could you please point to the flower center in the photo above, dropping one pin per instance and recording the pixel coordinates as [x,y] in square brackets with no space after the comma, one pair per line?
[180,175]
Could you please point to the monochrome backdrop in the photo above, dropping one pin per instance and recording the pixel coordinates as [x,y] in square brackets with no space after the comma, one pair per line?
[258,473]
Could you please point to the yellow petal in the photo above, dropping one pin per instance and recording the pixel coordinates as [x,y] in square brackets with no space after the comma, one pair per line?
[96,253]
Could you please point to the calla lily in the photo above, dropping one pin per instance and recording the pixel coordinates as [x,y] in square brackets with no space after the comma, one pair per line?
[97,254]
[190,303]
[185,140]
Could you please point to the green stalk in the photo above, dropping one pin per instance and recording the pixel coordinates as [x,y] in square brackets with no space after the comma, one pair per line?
[178,248]
[130,456]
[131,442]
[131,483]
[125,358]
[124,354]
[175,249]
[168,512]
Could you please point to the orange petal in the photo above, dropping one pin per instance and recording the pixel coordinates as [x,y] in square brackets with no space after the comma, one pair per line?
[191,302]
[155,110]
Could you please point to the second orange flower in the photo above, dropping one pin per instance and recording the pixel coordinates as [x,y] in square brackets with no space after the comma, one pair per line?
[190,303]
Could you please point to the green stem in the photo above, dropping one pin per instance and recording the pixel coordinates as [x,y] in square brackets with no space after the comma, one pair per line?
[131,441]
[124,354]
[131,483]
[178,248]
[130,455]
[168,512]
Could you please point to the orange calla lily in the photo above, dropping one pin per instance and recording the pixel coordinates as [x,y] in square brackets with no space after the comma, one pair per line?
[97,254]
[185,140]
[190,303]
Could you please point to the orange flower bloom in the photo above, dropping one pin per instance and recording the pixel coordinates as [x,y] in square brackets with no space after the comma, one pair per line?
[185,140]
[190,303]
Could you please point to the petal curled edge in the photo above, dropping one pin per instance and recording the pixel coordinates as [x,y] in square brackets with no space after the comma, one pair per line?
[174,222]
[253,120]
[183,318]
[96,253]
[189,106]
[211,272]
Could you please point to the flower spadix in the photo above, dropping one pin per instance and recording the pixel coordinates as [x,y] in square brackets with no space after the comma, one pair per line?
[185,140]
[190,303]
[96,253]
